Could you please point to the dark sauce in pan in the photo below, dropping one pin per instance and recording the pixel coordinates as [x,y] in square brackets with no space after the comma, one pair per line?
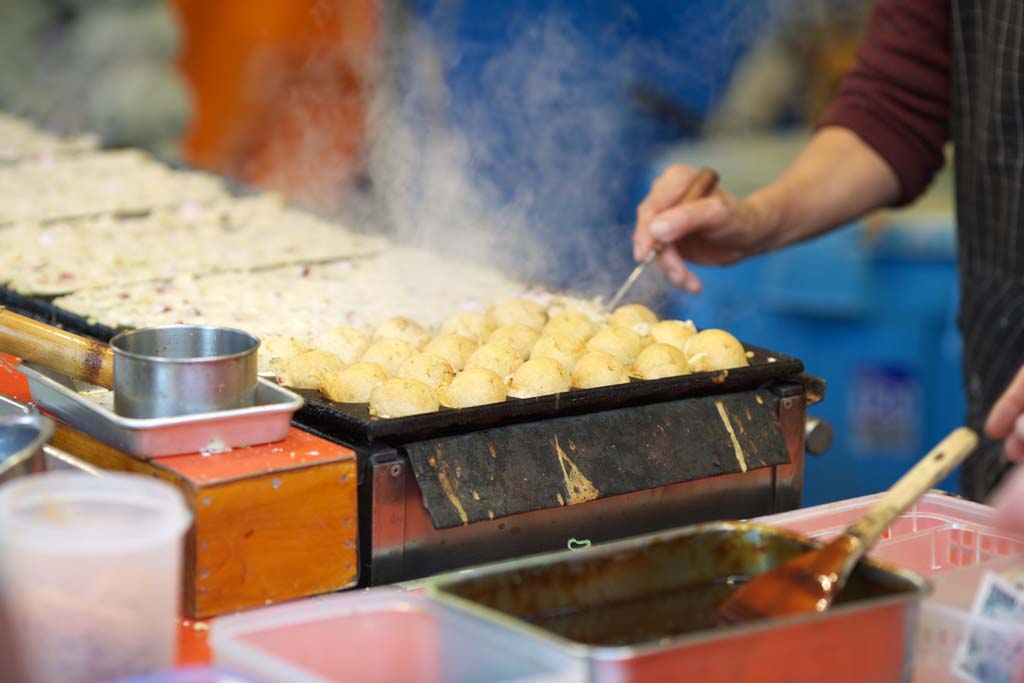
[655,592]
[655,616]
[643,619]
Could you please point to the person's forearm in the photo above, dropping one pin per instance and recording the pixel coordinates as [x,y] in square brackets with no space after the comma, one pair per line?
[836,179]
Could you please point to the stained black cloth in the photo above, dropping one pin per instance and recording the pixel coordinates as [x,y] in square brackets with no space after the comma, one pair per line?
[988,134]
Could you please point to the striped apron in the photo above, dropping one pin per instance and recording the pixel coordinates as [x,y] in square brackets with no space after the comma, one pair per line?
[988,134]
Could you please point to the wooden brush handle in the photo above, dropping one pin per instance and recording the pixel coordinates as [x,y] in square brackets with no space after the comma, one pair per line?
[950,452]
[85,359]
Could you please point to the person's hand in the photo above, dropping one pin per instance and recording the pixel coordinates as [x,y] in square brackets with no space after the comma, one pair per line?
[716,230]
[1008,501]
[1006,421]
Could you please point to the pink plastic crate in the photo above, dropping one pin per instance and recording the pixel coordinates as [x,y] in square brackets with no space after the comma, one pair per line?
[954,542]
[936,534]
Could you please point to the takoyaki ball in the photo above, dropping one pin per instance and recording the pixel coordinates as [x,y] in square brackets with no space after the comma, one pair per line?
[471,325]
[432,370]
[347,343]
[400,397]
[621,342]
[712,350]
[632,314]
[354,384]
[474,387]
[522,311]
[598,369]
[278,347]
[673,332]
[564,349]
[306,370]
[518,336]
[660,360]
[540,377]
[402,328]
[501,358]
[454,348]
[571,324]
[666,370]
[389,354]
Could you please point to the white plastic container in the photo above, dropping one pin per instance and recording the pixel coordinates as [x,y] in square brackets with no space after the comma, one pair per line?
[380,635]
[90,569]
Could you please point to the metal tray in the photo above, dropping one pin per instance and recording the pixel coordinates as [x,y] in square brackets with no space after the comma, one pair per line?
[353,422]
[81,405]
[625,592]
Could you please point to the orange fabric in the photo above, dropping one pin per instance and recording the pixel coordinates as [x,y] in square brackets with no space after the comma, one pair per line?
[193,643]
[12,382]
[279,89]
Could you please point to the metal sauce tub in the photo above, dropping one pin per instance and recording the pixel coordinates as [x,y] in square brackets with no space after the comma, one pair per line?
[640,610]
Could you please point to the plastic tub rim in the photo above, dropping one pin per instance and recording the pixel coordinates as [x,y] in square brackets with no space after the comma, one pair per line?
[229,648]
[173,517]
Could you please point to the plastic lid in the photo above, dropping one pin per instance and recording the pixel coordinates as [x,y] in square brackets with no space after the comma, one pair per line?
[77,513]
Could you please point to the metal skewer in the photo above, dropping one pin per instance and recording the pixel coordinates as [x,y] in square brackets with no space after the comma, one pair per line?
[703,185]
[615,300]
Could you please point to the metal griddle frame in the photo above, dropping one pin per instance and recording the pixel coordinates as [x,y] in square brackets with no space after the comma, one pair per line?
[352,421]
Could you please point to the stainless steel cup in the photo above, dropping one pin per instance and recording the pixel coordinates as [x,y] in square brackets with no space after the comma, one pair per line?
[183,370]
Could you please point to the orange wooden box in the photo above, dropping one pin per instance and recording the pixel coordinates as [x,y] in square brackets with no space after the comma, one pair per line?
[272,522]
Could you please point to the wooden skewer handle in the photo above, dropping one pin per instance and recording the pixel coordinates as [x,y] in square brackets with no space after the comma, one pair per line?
[85,359]
[939,462]
[703,185]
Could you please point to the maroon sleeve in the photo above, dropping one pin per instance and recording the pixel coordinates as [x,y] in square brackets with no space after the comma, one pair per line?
[897,98]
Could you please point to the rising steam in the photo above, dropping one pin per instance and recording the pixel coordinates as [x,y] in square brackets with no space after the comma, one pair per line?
[519,175]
